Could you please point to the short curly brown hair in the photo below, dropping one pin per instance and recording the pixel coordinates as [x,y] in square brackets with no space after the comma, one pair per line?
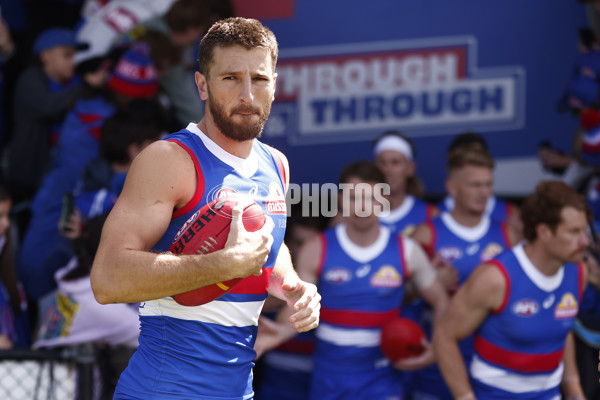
[546,204]
[246,32]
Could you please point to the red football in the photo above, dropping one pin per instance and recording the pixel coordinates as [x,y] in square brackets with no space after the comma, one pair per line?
[401,338]
[206,231]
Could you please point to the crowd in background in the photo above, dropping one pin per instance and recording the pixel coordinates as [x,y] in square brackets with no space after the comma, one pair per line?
[84,91]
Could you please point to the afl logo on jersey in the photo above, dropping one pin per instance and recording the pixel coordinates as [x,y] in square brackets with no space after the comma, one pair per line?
[567,308]
[338,275]
[386,277]
[450,253]
[526,308]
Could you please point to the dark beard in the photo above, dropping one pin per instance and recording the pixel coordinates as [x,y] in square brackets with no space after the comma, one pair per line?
[234,131]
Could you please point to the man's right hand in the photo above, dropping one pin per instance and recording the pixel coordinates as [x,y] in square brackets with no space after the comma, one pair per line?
[246,252]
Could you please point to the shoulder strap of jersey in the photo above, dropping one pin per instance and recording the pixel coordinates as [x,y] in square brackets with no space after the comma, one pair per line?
[280,167]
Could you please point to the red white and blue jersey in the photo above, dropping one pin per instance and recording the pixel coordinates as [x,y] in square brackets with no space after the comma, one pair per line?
[496,209]
[206,351]
[410,214]
[519,347]
[467,247]
[361,288]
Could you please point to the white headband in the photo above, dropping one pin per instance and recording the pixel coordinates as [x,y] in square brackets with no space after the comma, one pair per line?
[396,143]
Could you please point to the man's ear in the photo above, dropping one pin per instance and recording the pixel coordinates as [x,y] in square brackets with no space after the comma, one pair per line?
[202,85]
[543,231]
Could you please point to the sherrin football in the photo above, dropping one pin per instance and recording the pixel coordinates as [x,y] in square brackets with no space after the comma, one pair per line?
[401,338]
[206,231]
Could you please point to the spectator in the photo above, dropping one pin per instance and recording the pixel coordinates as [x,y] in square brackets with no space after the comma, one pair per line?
[14,318]
[124,135]
[44,94]
[7,49]
[76,318]
[43,251]
[183,21]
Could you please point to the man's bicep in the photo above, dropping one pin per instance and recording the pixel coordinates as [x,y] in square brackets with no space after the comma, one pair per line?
[481,294]
[144,209]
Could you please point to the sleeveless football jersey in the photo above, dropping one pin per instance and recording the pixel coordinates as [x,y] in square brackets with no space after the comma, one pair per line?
[361,288]
[411,213]
[206,351]
[467,247]
[496,209]
[519,348]
[464,248]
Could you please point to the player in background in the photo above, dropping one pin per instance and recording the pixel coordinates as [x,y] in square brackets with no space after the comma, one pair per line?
[361,269]
[395,156]
[459,240]
[521,307]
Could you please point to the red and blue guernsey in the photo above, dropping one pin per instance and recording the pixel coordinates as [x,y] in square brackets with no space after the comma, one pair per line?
[206,351]
[361,288]
[519,347]
[410,214]
[497,209]
[466,247]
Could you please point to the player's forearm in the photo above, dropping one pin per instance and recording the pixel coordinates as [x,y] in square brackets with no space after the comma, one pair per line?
[130,276]
[283,269]
[451,364]
[571,384]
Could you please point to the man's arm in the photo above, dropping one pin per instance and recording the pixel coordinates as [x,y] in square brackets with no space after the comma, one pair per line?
[302,297]
[483,292]
[271,334]
[571,385]
[423,277]
[161,179]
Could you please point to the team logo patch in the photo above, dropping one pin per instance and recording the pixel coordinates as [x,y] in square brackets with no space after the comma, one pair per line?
[567,308]
[387,277]
[337,275]
[491,251]
[526,308]
[275,200]
[408,230]
[450,253]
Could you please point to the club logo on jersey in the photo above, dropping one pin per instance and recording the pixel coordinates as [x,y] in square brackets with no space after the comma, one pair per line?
[450,253]
[408,230]
[386,277]
[567,308]
[526,308]
[276,200]
[491,251]
[337,275]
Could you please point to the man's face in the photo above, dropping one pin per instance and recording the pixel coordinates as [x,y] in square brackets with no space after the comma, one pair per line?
[59,62]
[359,204]
[396,168]
[569,241]
[471,186]
[239,91]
